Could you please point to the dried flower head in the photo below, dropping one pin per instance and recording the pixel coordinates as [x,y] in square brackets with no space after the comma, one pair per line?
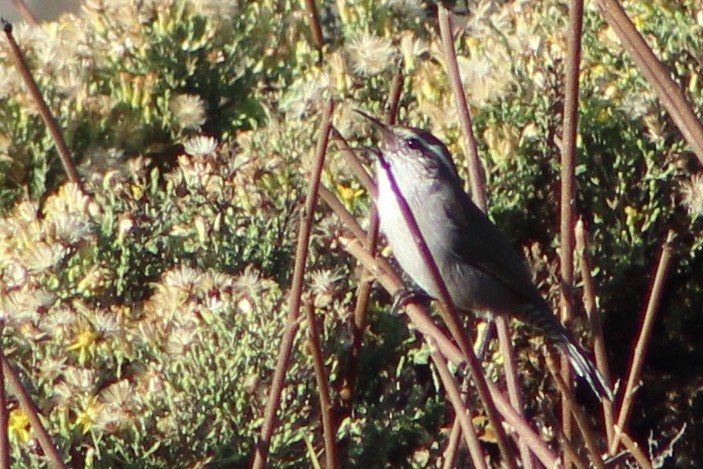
[83,380]
[70,199]
[305,94]
[51,368]
[371,55]
[200,145]
[118,406]
[692,195]
[188,111]
[25,303]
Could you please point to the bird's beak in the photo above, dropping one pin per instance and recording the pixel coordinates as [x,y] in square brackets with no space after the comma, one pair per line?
[387,135]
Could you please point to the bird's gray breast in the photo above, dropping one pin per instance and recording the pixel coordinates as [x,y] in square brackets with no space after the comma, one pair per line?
[426,201]
[448,239]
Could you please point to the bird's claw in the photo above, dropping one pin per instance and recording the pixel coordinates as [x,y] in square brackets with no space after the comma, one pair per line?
[404,296]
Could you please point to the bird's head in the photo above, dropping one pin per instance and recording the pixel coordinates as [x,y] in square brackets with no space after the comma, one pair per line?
[401,146]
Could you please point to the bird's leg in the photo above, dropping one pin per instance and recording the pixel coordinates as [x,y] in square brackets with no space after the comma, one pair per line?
[404,296]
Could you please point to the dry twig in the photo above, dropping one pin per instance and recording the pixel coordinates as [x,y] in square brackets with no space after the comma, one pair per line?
[581,419]
[566,202]
[323,388]
[640,351]
[66,159]
[301,256]
[589,304]
[462,412]
[26,12]
[656,74]
[315,28]
[363,291]
[45,441]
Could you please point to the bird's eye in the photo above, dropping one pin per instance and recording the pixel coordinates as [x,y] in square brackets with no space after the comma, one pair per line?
[413,143]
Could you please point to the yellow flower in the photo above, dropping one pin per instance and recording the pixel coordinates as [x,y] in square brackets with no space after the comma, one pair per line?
[18,426]
[83,344]
[603,115]
[598,70]
[348,194]
[639,21]
[486,431]
[87,416]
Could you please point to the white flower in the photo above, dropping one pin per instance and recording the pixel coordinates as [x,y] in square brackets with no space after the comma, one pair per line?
[371,55]
[692,194]
[200,145]
[304,93]
[188,110]
[70,228]
[43,256]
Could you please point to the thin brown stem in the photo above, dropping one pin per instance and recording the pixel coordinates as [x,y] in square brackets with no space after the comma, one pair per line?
[301,256]
[44,111]
[656,74]
[385,275]
[422,322]
[453,322]
[589,304]
[354,163]
[510,368]
[328,428]
[462,413]
[360,310]
[338,208]
[365,281]
[523,429]
[396,92]
[642,460]
[566,445]
[640,351]
[450,452]
[363,293]
[581,419]
[45,441]
[4,417]
[478,190]
[26,12]
[315,28]
[567,200]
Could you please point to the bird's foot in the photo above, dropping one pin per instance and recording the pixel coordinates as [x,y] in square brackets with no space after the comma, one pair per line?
[404,296]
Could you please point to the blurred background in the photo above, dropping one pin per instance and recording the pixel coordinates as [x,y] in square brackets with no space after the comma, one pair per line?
[43,9]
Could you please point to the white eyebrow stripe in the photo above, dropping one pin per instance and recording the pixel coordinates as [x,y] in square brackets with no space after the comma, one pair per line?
[433,146]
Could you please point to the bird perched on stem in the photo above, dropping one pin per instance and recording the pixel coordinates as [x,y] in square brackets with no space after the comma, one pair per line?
[479,267]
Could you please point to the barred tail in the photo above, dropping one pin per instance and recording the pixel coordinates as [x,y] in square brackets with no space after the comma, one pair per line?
[542,319]
[585,369]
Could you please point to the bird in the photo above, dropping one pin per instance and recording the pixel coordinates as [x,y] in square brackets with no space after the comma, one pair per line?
[482,271]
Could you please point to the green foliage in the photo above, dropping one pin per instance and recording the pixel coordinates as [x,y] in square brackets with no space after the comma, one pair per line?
[134,78]
[145,315]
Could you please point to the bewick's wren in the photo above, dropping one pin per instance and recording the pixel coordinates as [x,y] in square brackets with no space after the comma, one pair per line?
[481,270]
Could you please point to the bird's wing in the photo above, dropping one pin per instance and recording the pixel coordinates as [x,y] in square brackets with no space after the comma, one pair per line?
[479,243]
